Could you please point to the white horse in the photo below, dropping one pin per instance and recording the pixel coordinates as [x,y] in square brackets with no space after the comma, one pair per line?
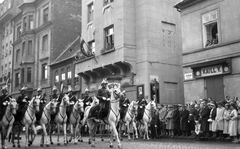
[29,119]
[74,119]
[61,119]
[7,121]
[49,109]
[112,119]
[147,117]
[129,118]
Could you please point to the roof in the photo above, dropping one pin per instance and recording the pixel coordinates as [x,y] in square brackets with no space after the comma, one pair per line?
[185,3]
[69,52]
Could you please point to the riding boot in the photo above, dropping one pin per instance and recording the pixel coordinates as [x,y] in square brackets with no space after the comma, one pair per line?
[98,117]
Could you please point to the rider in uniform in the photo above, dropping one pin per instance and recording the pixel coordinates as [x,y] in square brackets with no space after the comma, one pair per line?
[22,101]
[43,101]
[3,101]
[87,100]
[141,106]
[54,95]
[72,101]
[124,103]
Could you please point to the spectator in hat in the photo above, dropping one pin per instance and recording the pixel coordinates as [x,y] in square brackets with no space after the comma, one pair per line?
[169,119]
[162,116]
[212,123]
[54,95]
[219,119]
[191,118]
[204,116]
[238,127]
[226,118]
[233,123]
[176,121]
[184,121]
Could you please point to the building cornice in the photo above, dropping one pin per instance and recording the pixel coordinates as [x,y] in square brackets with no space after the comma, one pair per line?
[43,26]
[183,4]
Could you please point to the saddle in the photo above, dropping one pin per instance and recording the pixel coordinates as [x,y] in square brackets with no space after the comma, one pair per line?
[69,111]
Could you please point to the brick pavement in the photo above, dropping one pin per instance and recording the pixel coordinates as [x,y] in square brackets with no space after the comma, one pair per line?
[142,144]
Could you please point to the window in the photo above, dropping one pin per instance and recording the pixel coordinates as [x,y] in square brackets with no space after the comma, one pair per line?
[63,74]
[56,76]
[3,34]
[29,52]
[6,51]
[107,2]
[44,71]
[109,40]
[23,48]
[45,43]
[24,23]
[210,28]
[17,77]
[10,48]
[29,74]
[3,51]
[45,15]
[6,70]
[2,70]
[90,12]
[18,32]
[22,75]
[92,46]
[18,55]
[69,72]
[30,24]
[9,67]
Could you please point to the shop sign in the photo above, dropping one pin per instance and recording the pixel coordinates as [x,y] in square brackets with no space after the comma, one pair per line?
[212,70]
[127,81]
[188,76]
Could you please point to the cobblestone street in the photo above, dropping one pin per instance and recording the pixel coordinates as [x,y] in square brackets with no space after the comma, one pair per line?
[177,143]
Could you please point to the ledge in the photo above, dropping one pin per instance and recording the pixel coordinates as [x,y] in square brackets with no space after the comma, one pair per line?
[104,51]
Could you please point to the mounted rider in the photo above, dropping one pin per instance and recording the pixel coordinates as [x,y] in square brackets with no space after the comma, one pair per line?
[87,100]
[124,103]
[4,99]
[141,106]
[72,100]
[43,101]
[22,101]
[54,95]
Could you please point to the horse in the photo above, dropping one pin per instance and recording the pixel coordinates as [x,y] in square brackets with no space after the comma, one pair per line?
[129,118]
[29,119]
[74,119]
[61,119]
[49,109]
[147,117]
[7,121]
[112,119]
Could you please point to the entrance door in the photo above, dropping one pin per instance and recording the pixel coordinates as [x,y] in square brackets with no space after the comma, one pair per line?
[215,88]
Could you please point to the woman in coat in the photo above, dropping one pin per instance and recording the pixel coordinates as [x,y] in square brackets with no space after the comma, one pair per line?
[226,118]
[169,119]
[212,117]
[219,119]
[233,123]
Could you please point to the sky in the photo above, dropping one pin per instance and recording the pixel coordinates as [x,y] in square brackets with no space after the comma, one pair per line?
[1,1]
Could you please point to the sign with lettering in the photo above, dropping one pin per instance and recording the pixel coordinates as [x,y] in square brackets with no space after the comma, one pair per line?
[212,70]
[188,76]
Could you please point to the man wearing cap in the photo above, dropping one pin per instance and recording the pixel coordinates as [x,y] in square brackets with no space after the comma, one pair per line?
[4,98]
[42,102]
[103,95]
[87,100]
[141,106]
[54,95]
[72,100]
[204,116]
[124,103]
[22,100]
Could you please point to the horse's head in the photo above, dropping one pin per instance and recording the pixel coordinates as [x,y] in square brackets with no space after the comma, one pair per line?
[53,106]
[116,92]
[36,103]
[13,105]
[133,107]
[79,106]
[65,100]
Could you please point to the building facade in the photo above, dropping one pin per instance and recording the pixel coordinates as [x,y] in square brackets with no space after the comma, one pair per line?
[63,70]
[8,9]
[135,43]
[42,30]
[210,48]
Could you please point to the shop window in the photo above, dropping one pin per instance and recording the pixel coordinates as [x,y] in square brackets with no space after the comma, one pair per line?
[30,24]
[62,74]
[45,15]
[210,29]
[17,77]
[29,74]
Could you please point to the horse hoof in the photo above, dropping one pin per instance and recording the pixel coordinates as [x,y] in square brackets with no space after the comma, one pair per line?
[93,146]
[65,143]
[58,144]
[81,140]
[111,146]
[101,139]
[121,139]
[75,143]
[114,140]
[52,143]
[13,145]
[89,142]
[41,145]
[19,146]
[30,142]
[47,145]
[70,140]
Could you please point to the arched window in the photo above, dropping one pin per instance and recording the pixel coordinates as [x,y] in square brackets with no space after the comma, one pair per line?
[63,74]
[56,76]
[69,73]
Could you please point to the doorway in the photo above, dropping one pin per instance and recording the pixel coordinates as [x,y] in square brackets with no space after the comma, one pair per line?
[215,88]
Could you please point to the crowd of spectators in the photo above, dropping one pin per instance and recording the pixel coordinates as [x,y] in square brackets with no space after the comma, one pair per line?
[204,119]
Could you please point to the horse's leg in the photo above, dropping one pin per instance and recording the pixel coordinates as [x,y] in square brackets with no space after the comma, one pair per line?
[45,139]
[75,133]
[120,130]
[65,133]
[135,129]
[50,133]
[18,135]
[3,137]
[58,127]
[80,127]
[146,130]
[8,133]
[128,130]
[113,125]
[91,127]
[34,132]
[13,136]
[26,135]
[71,132]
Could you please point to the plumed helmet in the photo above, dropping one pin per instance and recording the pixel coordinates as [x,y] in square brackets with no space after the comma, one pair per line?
[104,81]
[54,88]
[4,88]
[86,90]
[39,89]
[69,88]
[23,88]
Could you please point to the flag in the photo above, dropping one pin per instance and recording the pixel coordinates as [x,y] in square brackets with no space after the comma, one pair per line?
[86,50]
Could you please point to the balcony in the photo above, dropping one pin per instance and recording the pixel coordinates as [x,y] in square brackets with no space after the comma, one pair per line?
[7,16]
